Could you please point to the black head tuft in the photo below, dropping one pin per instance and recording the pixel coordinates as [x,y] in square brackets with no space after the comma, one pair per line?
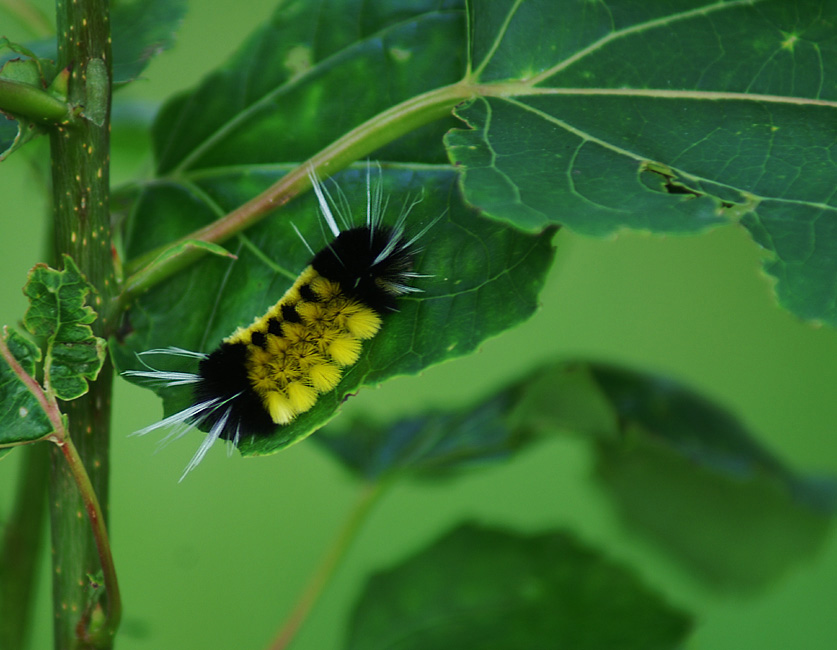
[354,260]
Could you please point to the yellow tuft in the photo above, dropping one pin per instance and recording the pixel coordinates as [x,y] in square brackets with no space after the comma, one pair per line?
[363,324]
[324,376]
[325,289]
[279,406]
[345,350]
[301,396]
[310,312]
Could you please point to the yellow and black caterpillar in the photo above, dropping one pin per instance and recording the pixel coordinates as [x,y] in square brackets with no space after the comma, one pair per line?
[263,376]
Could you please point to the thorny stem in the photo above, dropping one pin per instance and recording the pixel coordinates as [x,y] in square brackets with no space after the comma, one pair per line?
[329,563]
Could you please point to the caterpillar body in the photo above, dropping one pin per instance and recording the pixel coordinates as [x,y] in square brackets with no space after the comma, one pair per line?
[263,376]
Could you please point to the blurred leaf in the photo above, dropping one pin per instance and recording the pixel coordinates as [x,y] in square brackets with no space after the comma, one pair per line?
[679,468]
[21,417]
[492,589]
[58,314]
[431,444]
[141,30]
[688,474]
[669,117]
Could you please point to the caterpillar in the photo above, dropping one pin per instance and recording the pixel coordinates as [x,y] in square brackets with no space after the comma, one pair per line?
[266,374]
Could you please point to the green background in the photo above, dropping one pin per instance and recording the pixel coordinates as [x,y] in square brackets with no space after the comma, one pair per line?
[218,560]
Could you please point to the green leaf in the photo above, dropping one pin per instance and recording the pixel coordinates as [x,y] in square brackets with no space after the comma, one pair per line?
[670,117]
[289,92]
[434,444]
[22,419]
[141,30]
[731,511]
[725,493]
[483,279]
[58,314]
[480,587]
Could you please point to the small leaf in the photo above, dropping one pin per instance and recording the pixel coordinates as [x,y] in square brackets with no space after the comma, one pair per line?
[58,314]
[480,587]
[22,419]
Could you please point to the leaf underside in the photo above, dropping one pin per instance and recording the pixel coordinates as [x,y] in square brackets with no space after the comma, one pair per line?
[668,117]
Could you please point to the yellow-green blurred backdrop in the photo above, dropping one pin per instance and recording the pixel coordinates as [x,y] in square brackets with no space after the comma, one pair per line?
[218,560]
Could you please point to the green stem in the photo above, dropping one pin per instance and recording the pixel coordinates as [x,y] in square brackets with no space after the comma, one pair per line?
[329,563]
[357,143]
[29,101]
[101,636]
[80,177]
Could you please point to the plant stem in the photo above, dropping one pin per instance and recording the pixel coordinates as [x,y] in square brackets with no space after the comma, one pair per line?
[357,143]
[104,634]
[80,176]
[329,563]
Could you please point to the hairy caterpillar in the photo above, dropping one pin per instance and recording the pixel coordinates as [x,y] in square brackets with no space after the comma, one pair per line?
[263,376]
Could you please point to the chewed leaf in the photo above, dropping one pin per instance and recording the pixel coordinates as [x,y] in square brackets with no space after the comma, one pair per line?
[664,117]
[22,418]
[58,314]
[480,587]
